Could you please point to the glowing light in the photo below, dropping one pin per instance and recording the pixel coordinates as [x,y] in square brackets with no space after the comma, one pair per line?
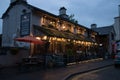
[95,43]
[44,38]
[63,39]
[68,39]
[38,38]
[58,39]
[54,38]
[79,41]
[74,41]
[82,42]
[100,44]
[50,22]
[63,27]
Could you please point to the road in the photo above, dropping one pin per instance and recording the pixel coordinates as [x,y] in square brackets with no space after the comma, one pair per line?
[108,73]
[63,73]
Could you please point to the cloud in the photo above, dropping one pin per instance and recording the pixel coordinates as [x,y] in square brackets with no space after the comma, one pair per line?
[101,12]
[50,5]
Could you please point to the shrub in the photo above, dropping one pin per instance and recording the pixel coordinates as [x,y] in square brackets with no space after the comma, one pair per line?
[14,51]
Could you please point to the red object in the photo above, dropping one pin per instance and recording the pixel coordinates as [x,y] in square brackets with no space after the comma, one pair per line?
[30,39]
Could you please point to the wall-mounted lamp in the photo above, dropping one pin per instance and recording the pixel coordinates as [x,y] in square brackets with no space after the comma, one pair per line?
[100,44]
[44,38]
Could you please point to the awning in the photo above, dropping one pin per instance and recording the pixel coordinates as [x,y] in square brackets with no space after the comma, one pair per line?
[61,34]
[49,31]
[29,39]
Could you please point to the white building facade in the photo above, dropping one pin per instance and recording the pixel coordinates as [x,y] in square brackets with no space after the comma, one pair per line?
[11,30]
[117,26]
[12,22]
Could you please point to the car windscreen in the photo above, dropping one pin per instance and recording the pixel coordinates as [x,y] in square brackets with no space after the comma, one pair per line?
[118,53]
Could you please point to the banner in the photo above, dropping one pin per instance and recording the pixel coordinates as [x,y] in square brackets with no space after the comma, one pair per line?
[25,25]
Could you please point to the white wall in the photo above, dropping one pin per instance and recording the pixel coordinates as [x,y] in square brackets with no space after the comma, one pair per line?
[117,27]
[11,29]
[11,24]
[36,19]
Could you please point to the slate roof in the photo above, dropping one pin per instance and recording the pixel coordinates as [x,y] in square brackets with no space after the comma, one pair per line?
[104,30]
[33,8]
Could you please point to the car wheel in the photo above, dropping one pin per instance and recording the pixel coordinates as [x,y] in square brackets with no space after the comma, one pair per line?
[116,65]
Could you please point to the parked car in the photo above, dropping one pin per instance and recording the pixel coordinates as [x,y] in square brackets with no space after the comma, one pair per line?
[117,59]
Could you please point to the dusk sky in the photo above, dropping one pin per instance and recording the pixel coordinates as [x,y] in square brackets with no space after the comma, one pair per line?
[101,12]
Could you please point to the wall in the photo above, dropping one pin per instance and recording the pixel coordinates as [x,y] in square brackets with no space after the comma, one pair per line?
[117,27]
[36,19]
[11,29]
[10,60]
[11,25]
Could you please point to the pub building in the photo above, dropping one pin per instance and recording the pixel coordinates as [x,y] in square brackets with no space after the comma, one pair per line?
[60,34]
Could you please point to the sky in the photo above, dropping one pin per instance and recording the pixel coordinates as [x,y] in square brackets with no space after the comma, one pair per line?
[86,12]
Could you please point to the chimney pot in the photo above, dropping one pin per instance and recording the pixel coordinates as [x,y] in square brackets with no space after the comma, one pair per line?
[93,26]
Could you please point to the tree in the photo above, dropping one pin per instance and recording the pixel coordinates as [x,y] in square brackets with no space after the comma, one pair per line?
[71,18]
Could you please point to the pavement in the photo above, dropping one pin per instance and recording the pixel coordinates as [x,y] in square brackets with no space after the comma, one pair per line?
[62,73]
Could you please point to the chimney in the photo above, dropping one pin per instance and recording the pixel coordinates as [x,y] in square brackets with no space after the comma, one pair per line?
[93,26]
[62,12]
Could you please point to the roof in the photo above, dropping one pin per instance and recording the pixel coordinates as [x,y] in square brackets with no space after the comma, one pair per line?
[33,8]
[104,30]
[63,8]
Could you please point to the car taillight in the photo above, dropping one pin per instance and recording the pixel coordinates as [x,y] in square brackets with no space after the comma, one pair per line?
[116,56]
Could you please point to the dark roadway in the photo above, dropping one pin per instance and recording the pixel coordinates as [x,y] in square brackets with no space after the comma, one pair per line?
[108,73]
[53,74]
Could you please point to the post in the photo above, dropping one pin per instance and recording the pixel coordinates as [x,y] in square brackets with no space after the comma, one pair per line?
[31,49]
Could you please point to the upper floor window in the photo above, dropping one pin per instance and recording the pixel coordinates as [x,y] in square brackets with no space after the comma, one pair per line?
[48,21]
[24,10]
[52,23]
[80,31]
